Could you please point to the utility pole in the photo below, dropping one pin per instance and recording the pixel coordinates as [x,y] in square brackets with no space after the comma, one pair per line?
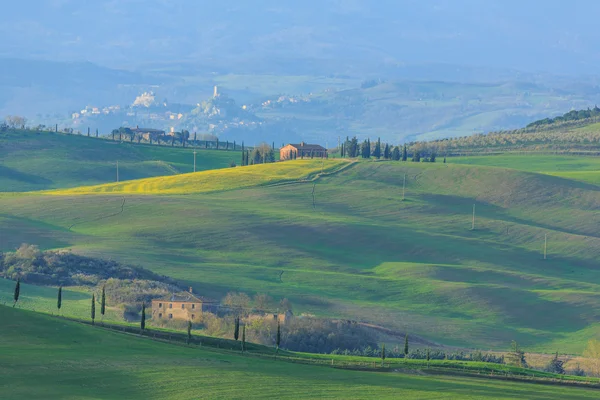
[404,188]
[545,245]
[473,224]
[117,171]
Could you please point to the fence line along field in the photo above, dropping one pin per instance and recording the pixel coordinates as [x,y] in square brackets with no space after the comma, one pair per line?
[67,359]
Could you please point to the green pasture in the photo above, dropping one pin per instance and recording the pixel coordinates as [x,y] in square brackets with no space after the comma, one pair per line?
[43,357]
[585,169]
[37,161]
[360,252]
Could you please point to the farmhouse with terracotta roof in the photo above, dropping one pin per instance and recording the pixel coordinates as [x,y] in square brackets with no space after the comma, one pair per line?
[302,150]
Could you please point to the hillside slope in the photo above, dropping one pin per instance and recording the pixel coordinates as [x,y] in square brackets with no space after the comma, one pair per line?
[215,180]
[356,251]
[43,357]
[31,161]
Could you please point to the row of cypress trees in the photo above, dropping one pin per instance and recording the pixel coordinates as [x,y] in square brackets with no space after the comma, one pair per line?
[351,148]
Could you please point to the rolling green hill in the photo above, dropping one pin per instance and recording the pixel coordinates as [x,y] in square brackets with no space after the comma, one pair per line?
[43,357]
[360,252]
[31,161]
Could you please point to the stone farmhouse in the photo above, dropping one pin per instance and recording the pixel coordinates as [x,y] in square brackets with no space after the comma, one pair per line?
[182,306]
[302,150]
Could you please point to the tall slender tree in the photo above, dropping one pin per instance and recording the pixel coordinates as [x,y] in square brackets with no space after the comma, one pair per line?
[103,302]
[59,299]
[189,332]
[386,152]
[236,328]
[396,154]
[377,150]
[93,311]
[404,153]
[406,345]
[143,320]
[382,354]
[17,292]
[365,149]
[243,338]
[278,338]
[428,355]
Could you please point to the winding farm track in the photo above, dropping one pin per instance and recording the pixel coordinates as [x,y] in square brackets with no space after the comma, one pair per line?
[102,217]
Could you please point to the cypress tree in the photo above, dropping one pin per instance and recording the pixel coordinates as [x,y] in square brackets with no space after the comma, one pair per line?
[236,328]
[93,313]
[406,345]
[428,357]
[217,143]
[59,300]
[243,338]
[278,339]
[444,159]
[377,151]
[396,154]
[143,320]
[227,145]
[404,153]
[17,292]
[189,332]
[368,148]
[386,151]
[234,145]
[103,302]
[365,149]
[382,354]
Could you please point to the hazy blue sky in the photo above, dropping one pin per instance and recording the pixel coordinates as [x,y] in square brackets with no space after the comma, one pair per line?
[551,35]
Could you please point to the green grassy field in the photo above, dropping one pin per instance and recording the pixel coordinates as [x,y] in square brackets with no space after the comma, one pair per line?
[585,169]
[360,252]
[31,161]
[43,357]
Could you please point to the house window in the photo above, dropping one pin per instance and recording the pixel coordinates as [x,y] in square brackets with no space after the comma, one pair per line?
[159,315]
[183,306]
[159,305]
[193,316]
[193,306]
[170,305]
[170,316]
